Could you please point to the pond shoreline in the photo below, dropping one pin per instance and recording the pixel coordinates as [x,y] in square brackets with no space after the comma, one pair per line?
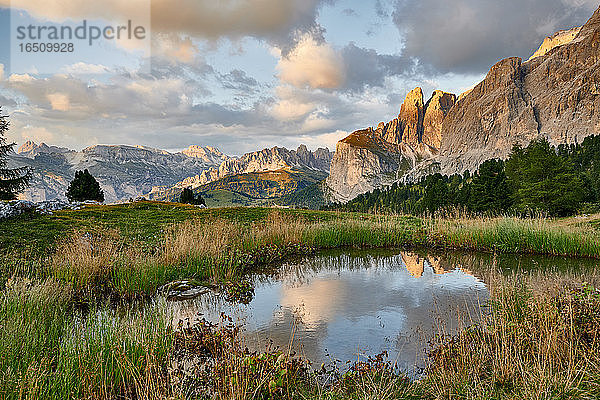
[51,265]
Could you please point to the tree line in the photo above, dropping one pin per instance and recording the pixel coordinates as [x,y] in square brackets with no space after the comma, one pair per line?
[539,178]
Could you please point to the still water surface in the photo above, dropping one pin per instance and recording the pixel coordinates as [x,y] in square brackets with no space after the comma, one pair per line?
[347,305]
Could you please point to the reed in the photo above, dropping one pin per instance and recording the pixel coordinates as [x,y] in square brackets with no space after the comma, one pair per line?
[536,342]
[217,250]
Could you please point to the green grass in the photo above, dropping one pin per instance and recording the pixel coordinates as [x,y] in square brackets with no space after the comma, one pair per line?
[51,349]
[154,243]
[514,235]
[48,350]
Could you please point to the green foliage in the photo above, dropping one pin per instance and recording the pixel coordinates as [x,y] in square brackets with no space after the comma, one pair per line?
[84,187]
[542,180]
[585,158]
[12,180]
[187,197]
[489,188]
[539,178]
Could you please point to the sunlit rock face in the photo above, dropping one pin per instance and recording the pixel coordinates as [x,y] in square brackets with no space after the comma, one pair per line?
[436,110]
[555,95]
[558,39]
[273,159]
[371,158]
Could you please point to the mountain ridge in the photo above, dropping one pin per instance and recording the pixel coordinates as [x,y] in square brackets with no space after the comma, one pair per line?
[555,95]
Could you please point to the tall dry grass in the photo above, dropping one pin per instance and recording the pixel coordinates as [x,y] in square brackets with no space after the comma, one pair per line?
[49,350]
[534,344]
[220,250]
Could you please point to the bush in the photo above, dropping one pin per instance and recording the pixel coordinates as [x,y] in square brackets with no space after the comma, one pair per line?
[188,197]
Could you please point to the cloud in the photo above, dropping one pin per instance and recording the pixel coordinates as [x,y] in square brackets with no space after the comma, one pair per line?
[275,20]
[468,36]
[174,48]
[36,134]
[328,140]
[366,67]
[123,95]
[312,64]
[1,72]
[349,12]
[6,102]
[59,101]
[291,105]
[240,81]
[85,69]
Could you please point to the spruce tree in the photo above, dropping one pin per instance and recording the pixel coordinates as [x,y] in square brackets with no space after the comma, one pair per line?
[84,187]
[542,180]
[12,180]
[490,190]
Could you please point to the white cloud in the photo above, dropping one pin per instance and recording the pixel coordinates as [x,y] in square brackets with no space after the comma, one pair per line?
[201,18]
[59,101]
[1,72]
[328,140]
[17,78]
[36,134]
[174,48]
[312,64]
[85,69]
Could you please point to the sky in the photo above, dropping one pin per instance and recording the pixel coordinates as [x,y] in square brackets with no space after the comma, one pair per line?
[243,75]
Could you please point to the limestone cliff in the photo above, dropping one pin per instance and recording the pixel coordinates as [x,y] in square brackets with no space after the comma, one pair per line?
[122,171]
[372,158]
[554,95]
[274,159]
[436,110]
[558,39]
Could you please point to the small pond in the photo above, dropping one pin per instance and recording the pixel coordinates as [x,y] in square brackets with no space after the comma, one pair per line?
[343,306]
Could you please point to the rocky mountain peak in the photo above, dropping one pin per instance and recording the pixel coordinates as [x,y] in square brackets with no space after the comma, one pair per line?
[555,95]
[208,154]
[27,147]
[436,110]
[412,114]
[558,39]
[30,149]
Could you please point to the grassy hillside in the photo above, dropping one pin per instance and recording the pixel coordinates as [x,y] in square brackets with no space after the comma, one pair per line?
[311,197]
[266,185]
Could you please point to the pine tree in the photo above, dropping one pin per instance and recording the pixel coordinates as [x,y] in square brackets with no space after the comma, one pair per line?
[187,196]
[84,187]
[12,180]
[543,180]
[489,189]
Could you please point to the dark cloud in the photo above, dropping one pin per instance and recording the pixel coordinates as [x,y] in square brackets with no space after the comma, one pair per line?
[227,116]
[6,102]
[366,67]
[468,36]
[240,81]
[382,9]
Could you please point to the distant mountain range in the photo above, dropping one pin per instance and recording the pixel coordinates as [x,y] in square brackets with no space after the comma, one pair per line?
[130,171]
[553,95]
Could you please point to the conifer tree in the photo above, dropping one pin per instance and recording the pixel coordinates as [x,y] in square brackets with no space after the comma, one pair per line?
[12,180]
[84,187]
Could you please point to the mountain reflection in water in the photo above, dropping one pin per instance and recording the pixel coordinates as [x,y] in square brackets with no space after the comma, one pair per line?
[352,304]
